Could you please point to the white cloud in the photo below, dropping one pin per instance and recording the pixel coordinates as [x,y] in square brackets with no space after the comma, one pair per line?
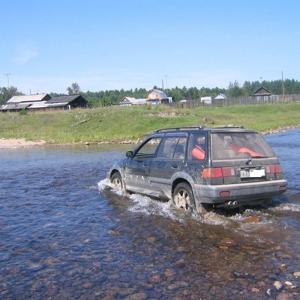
[24,54]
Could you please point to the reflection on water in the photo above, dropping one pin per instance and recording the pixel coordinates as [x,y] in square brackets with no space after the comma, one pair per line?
[63,238]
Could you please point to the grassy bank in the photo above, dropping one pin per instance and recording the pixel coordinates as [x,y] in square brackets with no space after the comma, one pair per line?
[116,124]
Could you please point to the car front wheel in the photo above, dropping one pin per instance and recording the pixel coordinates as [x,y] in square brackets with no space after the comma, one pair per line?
[116,181]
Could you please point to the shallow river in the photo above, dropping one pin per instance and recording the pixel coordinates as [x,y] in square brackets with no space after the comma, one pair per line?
[62,235]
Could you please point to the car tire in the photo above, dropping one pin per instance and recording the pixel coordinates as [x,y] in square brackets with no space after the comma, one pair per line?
[183,197]
[116,181]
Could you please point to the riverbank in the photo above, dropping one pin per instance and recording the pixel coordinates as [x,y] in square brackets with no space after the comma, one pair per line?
[129,124]
[18,143]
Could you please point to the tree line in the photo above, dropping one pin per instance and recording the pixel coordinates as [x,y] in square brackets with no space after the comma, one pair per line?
[111,97]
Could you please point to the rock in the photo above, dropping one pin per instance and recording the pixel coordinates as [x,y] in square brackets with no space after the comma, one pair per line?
[226,242]
[113,232]
[126,291]
[169,273]
[151,239]
[155,278]
[252,219]
[35,267]
[254,290]
[296,274]
[278,285]
[180,263]
[269,293]
[284,296]
[87,143]
[180,249]
[87,285]
[283,268]
[243,275]
[177,285]
[288,283]
[136,296]
[261,284]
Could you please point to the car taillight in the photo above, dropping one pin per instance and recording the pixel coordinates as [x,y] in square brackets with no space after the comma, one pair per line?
[218,172]
[273,169]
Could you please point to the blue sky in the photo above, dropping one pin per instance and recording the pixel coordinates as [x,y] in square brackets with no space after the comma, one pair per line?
[113,44]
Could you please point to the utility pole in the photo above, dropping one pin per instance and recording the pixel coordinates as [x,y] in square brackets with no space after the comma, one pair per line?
[7,77]
[166,81]
[162,84]
[282,85]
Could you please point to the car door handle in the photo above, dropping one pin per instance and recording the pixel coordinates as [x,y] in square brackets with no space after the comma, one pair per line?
[174,166]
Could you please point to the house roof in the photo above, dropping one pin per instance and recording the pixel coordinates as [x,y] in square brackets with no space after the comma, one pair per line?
[63,99]
[157,94]
[132,100]
[220,97]
[28,98]
[262,91]
[14,106]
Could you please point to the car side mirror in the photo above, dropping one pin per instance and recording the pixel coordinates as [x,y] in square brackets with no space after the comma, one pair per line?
[129,154]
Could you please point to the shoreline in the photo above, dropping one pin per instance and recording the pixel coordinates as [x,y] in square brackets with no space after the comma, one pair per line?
[17,143]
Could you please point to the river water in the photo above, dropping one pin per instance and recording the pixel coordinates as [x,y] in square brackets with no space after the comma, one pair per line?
[64,236]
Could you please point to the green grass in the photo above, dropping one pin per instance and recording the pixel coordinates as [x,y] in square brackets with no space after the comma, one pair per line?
[114,124]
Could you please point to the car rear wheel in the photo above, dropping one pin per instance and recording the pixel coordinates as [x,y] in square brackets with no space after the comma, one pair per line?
[183,197]
[116,181]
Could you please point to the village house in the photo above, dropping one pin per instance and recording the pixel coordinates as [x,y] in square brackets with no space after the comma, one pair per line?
[262,94]
[154,97]
[43,102]
[158,97]
[129,101]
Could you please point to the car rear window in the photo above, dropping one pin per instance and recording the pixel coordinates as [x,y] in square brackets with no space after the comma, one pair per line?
[239,145]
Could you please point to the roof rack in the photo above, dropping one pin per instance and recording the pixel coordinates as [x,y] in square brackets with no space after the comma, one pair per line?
[229,126]
[179,128]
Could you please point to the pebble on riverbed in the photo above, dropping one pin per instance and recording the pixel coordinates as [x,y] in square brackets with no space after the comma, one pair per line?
[296,274]
[278,285]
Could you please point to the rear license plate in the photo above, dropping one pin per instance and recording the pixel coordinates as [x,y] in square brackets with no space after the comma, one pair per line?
[253,173]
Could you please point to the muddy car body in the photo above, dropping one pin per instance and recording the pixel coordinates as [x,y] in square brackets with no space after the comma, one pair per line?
[195,167]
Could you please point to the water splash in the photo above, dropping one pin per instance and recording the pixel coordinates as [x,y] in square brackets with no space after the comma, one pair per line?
[148,206]
[103,184]
[287,207]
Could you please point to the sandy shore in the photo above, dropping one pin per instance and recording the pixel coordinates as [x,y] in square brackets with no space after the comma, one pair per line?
[18,143]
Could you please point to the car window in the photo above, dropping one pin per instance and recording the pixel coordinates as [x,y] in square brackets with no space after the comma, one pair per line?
[197,147]
[172,148]
[180,148]
[167,147]
[149,148]
[235,145]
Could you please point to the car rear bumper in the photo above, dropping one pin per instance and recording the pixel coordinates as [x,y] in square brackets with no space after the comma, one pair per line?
[242,192]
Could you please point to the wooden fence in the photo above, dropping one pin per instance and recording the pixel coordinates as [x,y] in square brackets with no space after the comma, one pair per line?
[239,101]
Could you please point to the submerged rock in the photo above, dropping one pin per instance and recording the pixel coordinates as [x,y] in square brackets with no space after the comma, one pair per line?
[296,274]
[136,296]
[278,285]
[169,273]
[284,296]
[155,278]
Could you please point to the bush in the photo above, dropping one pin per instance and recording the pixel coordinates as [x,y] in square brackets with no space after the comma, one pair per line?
[23,112]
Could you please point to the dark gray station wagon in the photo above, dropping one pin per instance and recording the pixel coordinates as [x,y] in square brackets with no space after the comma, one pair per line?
[197,167]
